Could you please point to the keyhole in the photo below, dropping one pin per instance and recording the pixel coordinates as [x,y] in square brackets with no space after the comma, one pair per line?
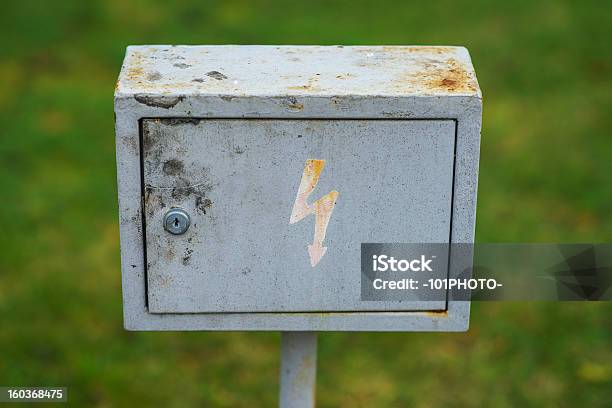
[176,221]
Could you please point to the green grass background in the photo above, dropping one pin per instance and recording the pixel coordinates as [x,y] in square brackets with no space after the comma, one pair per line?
[544,68]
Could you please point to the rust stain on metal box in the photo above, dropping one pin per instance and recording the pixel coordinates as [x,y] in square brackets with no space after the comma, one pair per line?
[454,77]
[311,85]
[438,313]
[423,49]
[449,76]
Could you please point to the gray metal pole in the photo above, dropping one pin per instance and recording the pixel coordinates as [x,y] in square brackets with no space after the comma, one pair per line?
[298,369]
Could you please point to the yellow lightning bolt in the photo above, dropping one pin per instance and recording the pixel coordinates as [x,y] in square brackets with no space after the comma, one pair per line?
[322,208]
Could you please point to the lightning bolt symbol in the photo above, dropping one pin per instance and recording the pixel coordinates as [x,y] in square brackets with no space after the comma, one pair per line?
[322,208]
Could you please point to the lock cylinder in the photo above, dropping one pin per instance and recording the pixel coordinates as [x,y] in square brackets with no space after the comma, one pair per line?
[176,221]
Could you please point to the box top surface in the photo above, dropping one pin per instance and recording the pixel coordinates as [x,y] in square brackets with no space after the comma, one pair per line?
[316,71]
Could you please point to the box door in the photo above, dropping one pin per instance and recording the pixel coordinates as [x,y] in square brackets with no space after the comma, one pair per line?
[279,209]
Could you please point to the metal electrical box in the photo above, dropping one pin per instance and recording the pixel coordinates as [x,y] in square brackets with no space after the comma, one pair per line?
[249,177]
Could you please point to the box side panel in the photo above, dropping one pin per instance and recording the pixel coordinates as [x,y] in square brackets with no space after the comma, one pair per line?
[129,183]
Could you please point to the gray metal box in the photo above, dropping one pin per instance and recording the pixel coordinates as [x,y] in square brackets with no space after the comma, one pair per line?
[286,159]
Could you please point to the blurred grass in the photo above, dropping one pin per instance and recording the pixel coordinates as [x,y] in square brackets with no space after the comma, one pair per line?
[544,67]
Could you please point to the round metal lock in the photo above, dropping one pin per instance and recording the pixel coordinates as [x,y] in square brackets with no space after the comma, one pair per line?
[176,221]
